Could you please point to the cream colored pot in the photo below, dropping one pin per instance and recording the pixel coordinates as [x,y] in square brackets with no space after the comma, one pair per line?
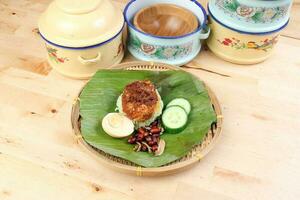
[240,47]
[82,36]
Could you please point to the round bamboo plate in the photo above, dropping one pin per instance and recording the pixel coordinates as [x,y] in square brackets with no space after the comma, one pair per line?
[122,165]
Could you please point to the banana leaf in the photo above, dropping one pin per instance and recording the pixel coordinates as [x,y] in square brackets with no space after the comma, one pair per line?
[99,98]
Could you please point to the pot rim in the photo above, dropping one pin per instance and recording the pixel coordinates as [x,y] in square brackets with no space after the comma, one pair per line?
[200,27]
[245,32]
[84,47]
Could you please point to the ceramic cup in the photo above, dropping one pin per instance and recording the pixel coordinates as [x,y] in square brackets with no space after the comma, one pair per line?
[172,50]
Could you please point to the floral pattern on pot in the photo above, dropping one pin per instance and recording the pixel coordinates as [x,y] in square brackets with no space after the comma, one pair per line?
[263,45]
[53,55]
[252,14]
[160,51]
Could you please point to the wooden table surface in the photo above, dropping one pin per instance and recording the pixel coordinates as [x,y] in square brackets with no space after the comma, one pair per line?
[257,156]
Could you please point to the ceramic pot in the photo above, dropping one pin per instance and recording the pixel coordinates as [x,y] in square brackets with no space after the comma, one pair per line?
[238,46]
[174,50]
[252,15]
[82,36]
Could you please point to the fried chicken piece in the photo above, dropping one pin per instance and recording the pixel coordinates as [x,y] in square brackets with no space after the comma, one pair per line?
[139,100]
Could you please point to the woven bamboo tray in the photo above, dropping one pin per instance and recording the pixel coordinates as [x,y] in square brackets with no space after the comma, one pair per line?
[122,165]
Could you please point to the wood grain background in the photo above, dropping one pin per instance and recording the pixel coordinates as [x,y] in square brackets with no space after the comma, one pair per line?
[258,156]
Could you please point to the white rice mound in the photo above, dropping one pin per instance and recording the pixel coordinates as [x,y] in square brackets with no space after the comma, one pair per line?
[158,111]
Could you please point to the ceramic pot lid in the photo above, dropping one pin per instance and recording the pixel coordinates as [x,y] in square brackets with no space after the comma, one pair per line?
[80,23]
[251,16]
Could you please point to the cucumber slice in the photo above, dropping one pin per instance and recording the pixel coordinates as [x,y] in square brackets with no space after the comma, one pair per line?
[185,104]
[174,119]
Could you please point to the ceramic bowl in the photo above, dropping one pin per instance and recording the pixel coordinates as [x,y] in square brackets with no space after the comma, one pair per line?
[240,47]
[252,15]
[174,50]
[81,37]
[165,20]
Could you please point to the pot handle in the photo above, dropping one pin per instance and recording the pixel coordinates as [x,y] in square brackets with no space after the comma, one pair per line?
[86,61]
[206,33]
